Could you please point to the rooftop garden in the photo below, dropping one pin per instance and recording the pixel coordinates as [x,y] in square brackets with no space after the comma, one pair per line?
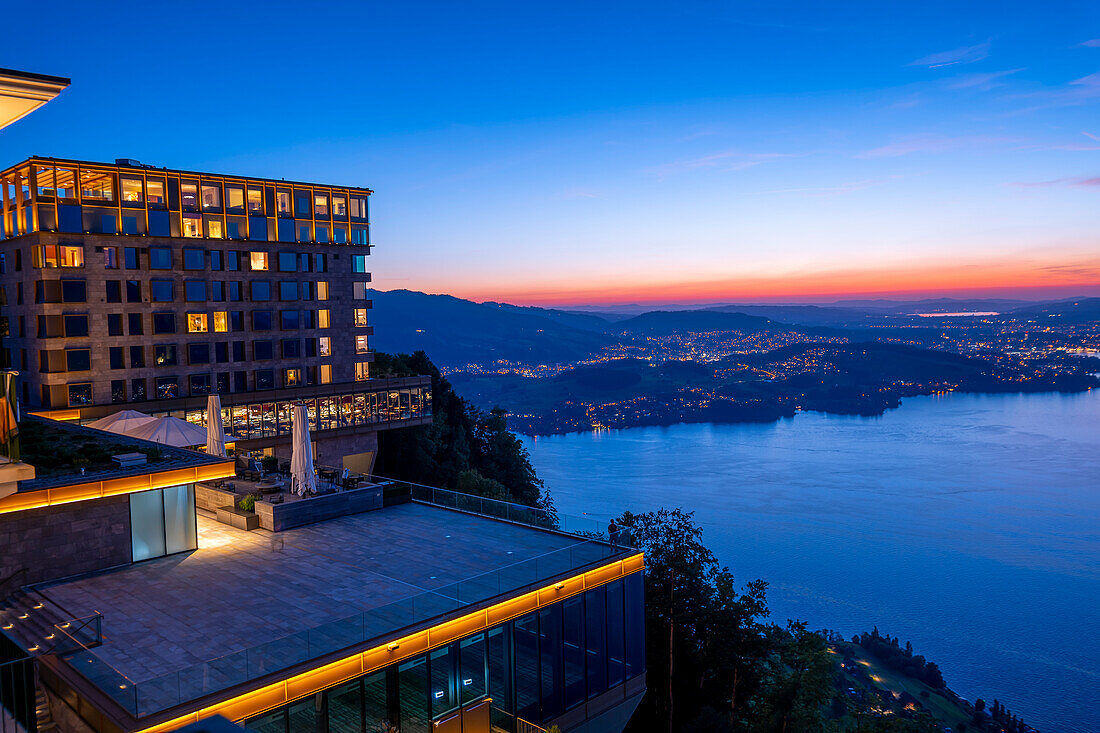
[55,449]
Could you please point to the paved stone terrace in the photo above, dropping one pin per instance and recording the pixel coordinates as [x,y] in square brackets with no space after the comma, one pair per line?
[242,589]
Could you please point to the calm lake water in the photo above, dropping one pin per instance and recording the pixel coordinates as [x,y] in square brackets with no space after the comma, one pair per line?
[969,525]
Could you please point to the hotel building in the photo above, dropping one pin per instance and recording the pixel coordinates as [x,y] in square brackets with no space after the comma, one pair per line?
[129,285]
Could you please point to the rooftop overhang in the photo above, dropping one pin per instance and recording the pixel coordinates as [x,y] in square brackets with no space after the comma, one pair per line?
[22,93]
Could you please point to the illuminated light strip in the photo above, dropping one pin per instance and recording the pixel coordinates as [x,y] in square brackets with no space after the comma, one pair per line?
[22,501]
[61,415]
[307,683]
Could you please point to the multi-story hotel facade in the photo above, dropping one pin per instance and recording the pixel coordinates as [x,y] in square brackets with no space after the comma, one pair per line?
[126,285]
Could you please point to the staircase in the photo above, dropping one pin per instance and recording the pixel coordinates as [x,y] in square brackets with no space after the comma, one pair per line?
[44,717]
[33,622]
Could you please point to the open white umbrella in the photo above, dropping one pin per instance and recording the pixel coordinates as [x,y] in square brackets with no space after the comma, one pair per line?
[215,429]
[122,421]
[170,431]
[301,457]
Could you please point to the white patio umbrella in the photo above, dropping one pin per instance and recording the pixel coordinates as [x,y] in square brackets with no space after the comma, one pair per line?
[301,458]
[170,431]
[215,429]
[122,421]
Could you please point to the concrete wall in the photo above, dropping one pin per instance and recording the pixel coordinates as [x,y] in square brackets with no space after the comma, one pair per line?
[277,517]
[59,541]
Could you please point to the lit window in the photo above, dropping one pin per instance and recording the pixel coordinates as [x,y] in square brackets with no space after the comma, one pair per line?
[282,202]
[361,345]
[221,322]
[362,371]
[320,204]
[211,196]
[259,260]
[326,374]
[255,200]
[292,377]
[189,196]
[340,206]
[322,290]
[359,207]
[323,318]
[324,346]
[234,198]
[214,229]
[360,317]
[196,323]
[58,255]
[95,186]
[155,191]
[192,226]
[131,190]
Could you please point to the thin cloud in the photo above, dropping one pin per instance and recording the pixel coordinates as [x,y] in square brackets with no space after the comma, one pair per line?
[832,190]
[982,82]
[1091,136]
[725,160]
[1079,182]
[1094,43]
[963,55]
[932,144]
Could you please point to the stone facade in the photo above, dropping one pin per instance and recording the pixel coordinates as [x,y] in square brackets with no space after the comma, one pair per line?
[67,539]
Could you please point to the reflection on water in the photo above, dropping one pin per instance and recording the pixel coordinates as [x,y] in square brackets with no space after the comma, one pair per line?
[968,524]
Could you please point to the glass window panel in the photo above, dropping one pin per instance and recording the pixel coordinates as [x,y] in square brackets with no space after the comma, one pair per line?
[573,650]
[97,186]
[273,722]
[616,640]
[595,602]
[527,666]
[634,595]
[179,519]
[500,667]
[192,225]
[154,191]
[189,196]
[282,202]
[472,672]
[345,707]
[305,715]
[443,688]
[147,524]
[412,682]
[211,196]
[550,660]
[376,704]
[131,190]
[255,200]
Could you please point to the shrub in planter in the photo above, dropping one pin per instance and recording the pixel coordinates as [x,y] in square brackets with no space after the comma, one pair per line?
[248,503]
[269,463]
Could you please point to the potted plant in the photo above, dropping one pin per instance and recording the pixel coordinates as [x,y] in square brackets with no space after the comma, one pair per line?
[242,515]
[269,463]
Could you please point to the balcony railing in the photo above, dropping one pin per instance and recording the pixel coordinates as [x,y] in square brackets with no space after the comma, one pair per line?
[146,697]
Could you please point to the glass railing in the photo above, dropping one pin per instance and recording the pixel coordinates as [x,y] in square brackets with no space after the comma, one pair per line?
[153,695]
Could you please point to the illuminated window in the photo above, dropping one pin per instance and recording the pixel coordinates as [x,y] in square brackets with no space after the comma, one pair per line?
[362,371]
[255,200]
[359,207]
[361,345]
[214,229]
[322,290]
[340,206]
[131,190]
[360,317]
[323,318]
[292,377]
[259,260]
[324,346]
[282,202]
[192,226]
[320,204]
[196,323]
[95,186]
[58,255]
[189,196]
[234,198]
[326,374]
[221,322]
[154,188]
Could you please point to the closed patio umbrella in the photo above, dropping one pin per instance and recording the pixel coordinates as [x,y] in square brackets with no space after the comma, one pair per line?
[122,421]
[301,457]
[215,429]
[170,431]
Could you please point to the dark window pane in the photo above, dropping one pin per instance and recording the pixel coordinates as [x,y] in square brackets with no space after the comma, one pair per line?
[160,258]
[260,289]
[130,258]
[616,639]
[199,384]
[164,323]
[635,625]
[412,680]
[78,360]
[500,667]
[376,703]
[550,663]
[198,353]
[74,291]
[134,323]
[262,350]
[133,291]
[289,320]
[160,224]
[77,326]
[443,689]
[114,291]
[114,324]
[261,320]
[137,387]
[167,388]
[288,261]
[194,290]
[527,666]
[472,681]
[595,602]
[194,259]
[345,707]
[573,650]
[288,290]
[137,358]
[265,379]
[118,390]
[161,291]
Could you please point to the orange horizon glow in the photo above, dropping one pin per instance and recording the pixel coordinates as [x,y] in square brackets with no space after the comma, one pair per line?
[1022,280]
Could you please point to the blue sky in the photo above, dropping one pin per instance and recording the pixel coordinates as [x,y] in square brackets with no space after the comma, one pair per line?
[603,152]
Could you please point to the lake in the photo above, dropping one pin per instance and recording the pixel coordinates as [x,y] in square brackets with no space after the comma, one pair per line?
[967,524]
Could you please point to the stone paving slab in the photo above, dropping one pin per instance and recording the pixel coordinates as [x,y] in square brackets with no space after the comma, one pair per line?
[244,589]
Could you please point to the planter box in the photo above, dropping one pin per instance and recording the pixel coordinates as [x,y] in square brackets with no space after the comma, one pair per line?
[238,518]
[277,517]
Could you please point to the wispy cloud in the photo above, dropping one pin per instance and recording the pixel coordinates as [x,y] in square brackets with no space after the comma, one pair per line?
[1080,182]
[572,194]
[1093,43]
[1083,90]
[1091,136]
[933,144]
[724,160]
[981,82]
[963,55]
[833,190]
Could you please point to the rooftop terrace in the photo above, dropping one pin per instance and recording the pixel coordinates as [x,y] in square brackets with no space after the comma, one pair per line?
[246,604]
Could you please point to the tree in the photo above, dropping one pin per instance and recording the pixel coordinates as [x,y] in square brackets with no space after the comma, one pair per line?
[799,681]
